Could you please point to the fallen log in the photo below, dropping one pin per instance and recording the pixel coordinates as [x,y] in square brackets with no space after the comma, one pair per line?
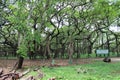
[1,71]
[14,67]
[36,69]
[9,74]
[24,73]
[13,76]
[30,78]
[4,78]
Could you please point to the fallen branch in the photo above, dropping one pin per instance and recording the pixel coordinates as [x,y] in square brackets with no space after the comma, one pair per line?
[24,73]
[14,67]
[30,78]
[1,71]
[13,76]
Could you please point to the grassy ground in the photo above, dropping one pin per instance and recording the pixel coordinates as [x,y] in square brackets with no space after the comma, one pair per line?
[94,71]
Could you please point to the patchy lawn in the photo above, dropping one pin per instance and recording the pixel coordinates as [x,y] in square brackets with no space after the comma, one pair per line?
[93,71]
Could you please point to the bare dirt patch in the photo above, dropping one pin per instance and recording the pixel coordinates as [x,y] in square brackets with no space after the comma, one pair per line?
[63,62]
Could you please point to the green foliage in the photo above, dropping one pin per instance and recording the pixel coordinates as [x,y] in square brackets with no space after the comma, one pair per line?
[37,37]
[22,50]
[66,20]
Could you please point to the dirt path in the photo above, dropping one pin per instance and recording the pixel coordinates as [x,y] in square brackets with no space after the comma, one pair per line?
[62,62]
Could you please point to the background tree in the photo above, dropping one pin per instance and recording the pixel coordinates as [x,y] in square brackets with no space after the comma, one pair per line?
[58,29]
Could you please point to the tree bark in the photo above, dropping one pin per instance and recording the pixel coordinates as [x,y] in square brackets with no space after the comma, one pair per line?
[20,59]
[70,51]
[116,40]
[20,62]
[108,44]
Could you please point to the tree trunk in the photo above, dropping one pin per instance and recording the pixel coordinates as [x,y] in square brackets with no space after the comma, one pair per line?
[77,51]
[62,50]
[48,49]
[116,39]
[70,51]
[20,62]
[108,45]
[47,52]
[90,49]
